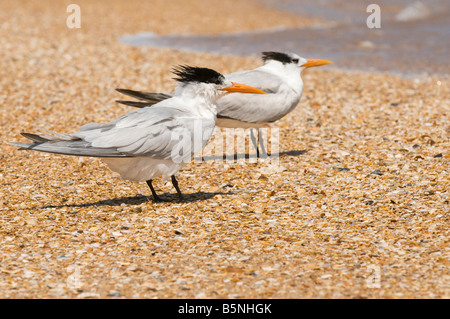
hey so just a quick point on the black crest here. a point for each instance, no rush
(186, 73)
(277, 56)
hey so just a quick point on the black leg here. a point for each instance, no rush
(255, 142)
(175, 184)
(261, 143)
(156, 198)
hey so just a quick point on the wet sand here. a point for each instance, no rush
(363, 185)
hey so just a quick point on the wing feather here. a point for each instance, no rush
(136, 103)
(258, 108)
(145, 96)
(268, 82)
(154, 132)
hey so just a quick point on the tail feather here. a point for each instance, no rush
(149, 98)
(144, 96)
(66, 147)
(137, 104)
(35, 138)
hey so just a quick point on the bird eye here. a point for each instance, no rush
(295, 60)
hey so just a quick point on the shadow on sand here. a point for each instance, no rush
(140, 199)
(237, 156)
(173, 198)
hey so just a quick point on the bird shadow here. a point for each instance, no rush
(240, 156)
(293, 153)
(140, 199)
(173, 198)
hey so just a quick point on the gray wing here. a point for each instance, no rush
(268, 82)
(153, 132)
(76, 148)
(258, 108)
(148, 98)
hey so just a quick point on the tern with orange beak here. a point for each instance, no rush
(279, 77)
(151, 142)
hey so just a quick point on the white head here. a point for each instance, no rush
(207, 83)
(291, 61)
(289, 66)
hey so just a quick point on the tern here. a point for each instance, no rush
(151, 142)
(279, 77)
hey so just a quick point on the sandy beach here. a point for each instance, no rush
(356, 207)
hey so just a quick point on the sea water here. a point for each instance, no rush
(414, 37)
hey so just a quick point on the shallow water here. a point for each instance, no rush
(413, 38)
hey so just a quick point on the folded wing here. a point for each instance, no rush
(154, 132)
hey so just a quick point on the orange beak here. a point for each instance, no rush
(315, 62)
(242, 88)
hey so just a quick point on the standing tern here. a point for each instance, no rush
(279, 77)
(151, 142)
